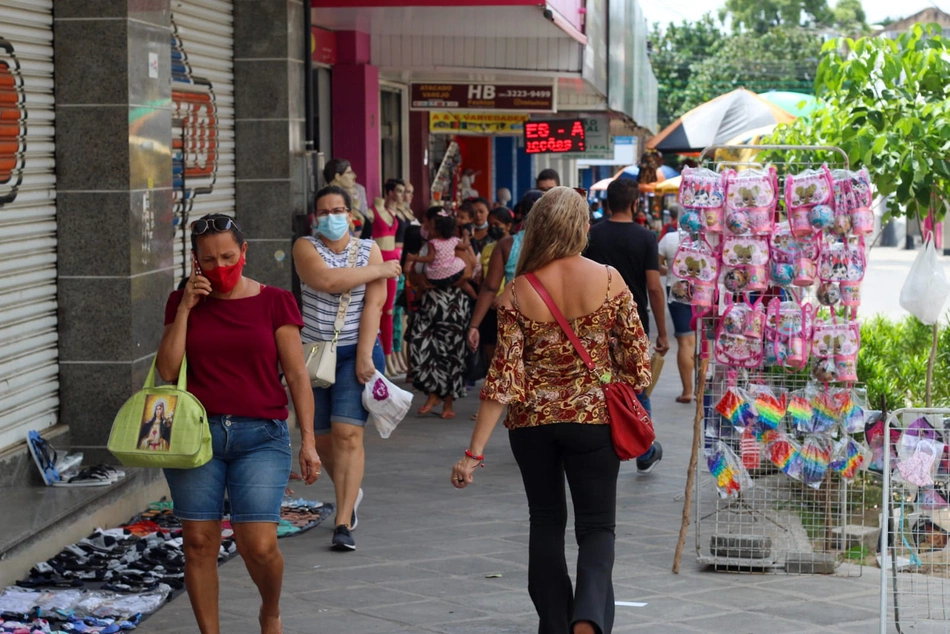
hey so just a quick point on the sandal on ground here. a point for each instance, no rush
(684, 399)
(425, 410)
(448, 415)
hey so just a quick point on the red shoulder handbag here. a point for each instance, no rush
(630, 426)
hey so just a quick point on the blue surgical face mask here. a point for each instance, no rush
(333, 226)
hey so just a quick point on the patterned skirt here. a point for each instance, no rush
(438, 343)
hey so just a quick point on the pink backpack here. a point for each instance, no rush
(702, 190)
(739, 335)
(809, 197)
(751, 200)
(745, 263)
(788, 331)
(697, 263)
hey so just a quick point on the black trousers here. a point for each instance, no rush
(586, 455)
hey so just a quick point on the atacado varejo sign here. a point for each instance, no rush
(482, 96)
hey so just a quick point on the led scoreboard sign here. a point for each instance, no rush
(554, 137)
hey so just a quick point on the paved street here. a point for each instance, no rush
(429, 556)
(887, 269)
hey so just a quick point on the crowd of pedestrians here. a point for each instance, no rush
(443, 299)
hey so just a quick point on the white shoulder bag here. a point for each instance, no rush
(321, 355)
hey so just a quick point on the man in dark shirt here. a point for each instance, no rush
(632, 250)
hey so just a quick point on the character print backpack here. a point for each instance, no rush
(697, 264)
(701, 194)
(809, 197)
(751, 200)
(739, 335)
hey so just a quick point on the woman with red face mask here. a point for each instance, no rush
(235, 332)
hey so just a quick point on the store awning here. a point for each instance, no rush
(434, 35)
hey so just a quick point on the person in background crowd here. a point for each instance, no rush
(236, 332)
(501, 221)
(595, 214)
(340, 173)
(681, 314)
(385, 230)
(605, 208)
(465, 219)
(480, 236)
(501, 269)
(673, 224)
(502, 197)
(547, 179)
(438, 337)
(323, 264)
(557, 417)
(406, 220)
(632, 250)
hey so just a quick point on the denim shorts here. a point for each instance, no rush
(251, 462)
(342, 402)
(682, 316)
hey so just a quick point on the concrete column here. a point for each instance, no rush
(269, 131)
(114, 191)
(355, 89)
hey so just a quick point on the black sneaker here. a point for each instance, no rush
(646, 466)
(342, 541)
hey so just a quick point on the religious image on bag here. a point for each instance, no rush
(158, 415)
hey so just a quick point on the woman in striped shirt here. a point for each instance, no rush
(336, 268)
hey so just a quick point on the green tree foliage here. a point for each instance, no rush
(760, 16)
(780, 59)
(849, 17)
(888, 109)
(675, 50)
(893, 362)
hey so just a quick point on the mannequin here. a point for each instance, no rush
(339, 172)
(383, 228)
(405, 218)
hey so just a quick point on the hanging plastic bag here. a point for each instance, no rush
(926, 289)
(386, 403)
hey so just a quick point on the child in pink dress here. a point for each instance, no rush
(444, 267)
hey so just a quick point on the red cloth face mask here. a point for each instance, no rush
(224, 278)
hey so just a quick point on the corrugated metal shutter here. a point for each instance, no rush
(203, 120)
(29, 371)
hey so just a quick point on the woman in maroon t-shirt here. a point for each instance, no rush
(236, 331)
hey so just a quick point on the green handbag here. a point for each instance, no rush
(164, 427)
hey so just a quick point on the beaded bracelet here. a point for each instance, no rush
(480, 459)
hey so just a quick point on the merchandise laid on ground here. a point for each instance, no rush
(113, 579)
(772, 266)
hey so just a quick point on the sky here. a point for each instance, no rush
(665, 11)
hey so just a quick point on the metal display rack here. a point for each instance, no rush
(779, 523)
(915, 571)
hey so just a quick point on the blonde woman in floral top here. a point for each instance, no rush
(557, 416)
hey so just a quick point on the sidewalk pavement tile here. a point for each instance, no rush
(425, 550)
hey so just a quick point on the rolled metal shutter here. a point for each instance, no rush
(29, 369)
(203, 116)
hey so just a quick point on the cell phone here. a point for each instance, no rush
(194, 263)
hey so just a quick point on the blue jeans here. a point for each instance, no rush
(251, 462)
(648, 406)
(342, 402)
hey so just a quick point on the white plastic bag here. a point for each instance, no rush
(926, 289)
(386, 403)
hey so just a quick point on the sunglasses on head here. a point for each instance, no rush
(214, 225)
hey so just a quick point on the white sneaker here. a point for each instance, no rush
(354, 520)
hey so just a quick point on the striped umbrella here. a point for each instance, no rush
(717, 121)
